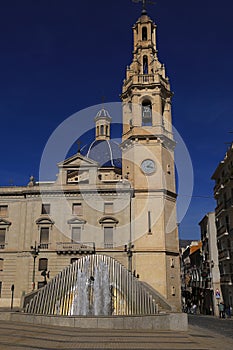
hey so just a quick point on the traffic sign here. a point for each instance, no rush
(217, 294)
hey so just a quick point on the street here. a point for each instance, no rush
(214, 324)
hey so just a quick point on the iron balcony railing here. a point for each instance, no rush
(44, 245)
(224, 254)
(226, 278)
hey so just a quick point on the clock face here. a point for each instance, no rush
(148, 166)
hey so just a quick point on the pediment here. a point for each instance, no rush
(76, 221)
(44, 221)
(77, 161)
(108, 220)
(4, 222)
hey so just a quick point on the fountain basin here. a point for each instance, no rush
(158, 322)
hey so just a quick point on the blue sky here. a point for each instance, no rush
(53, 52)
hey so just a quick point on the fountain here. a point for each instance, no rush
(97, 291)
(92, 286)
(92, 295)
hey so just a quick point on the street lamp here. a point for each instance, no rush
(129, 251)
(35, 250)
(129, 247)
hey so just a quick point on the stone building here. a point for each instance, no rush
(210, 265)
(223, 193)
(190, 258)
(200, 278)
(114, 200)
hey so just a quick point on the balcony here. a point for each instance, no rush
(109, 245)
(75, 248)
(227, 278)
(146, 78)
(220, 208)
(222, 231)
(44, 245)
(224, 255)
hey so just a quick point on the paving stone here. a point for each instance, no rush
(23, 336)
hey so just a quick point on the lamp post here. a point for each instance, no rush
(128, 250)
(130, 246)
(35, 250)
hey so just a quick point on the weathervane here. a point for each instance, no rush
(144, 2)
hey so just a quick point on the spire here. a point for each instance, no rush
(144, 2)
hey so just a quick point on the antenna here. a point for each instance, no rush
(144, 3)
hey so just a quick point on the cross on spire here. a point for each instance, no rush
(79, 146)
(103, 101)
(144, 2)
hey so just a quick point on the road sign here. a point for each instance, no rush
(217, 294)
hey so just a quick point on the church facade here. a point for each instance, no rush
(117, 200)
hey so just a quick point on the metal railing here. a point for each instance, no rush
(44, 245)
(78, 247)
(224, 254)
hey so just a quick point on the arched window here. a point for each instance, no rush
(145, 65)
(144, 33)
(146, 113)
(101, 130)
(97, 131)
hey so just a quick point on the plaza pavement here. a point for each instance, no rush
(22, 336)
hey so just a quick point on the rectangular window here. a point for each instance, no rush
(0, 289)
(76, 234)
(108, 237)
(43, 264)
(45, 209)
(77, 209)
(1, 264)
(3, 210)
(108, 208)
(2, 238)
(149, 222)
(44, 237)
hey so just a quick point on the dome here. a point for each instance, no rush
(105, 152)
(103, 113)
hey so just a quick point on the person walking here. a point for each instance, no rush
(228, 311)
(221, 310)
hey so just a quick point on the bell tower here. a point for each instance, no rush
(148, 163)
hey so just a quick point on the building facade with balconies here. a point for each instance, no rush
(223, 193)
(210, 265)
